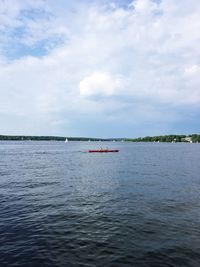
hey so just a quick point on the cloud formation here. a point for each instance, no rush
(101, 84)
(63, 64)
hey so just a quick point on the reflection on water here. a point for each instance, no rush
(61, 206)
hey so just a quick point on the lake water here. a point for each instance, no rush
(61, 206)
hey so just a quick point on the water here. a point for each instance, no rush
(60, 206)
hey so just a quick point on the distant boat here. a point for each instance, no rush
(66, 140)
(103, 150)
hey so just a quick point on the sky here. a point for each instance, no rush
(99, 68)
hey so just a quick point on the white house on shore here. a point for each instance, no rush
(187, 139)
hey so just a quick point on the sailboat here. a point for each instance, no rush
(66, 140)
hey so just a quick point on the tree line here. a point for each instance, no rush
(162, 138)
(167, 138)
(46, 138)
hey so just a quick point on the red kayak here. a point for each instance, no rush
(103, 150)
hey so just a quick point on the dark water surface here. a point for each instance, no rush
(60, 206)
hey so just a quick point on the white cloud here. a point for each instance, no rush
(146, 53)
(101, 83)
(192, 70)
(144, 6)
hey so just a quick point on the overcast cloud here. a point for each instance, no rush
(99, 68)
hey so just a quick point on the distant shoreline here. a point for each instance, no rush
(194, 138)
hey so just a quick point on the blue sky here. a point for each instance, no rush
(99, 68)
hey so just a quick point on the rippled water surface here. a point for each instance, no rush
(61, 206)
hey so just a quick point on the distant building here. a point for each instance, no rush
(187, 139)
